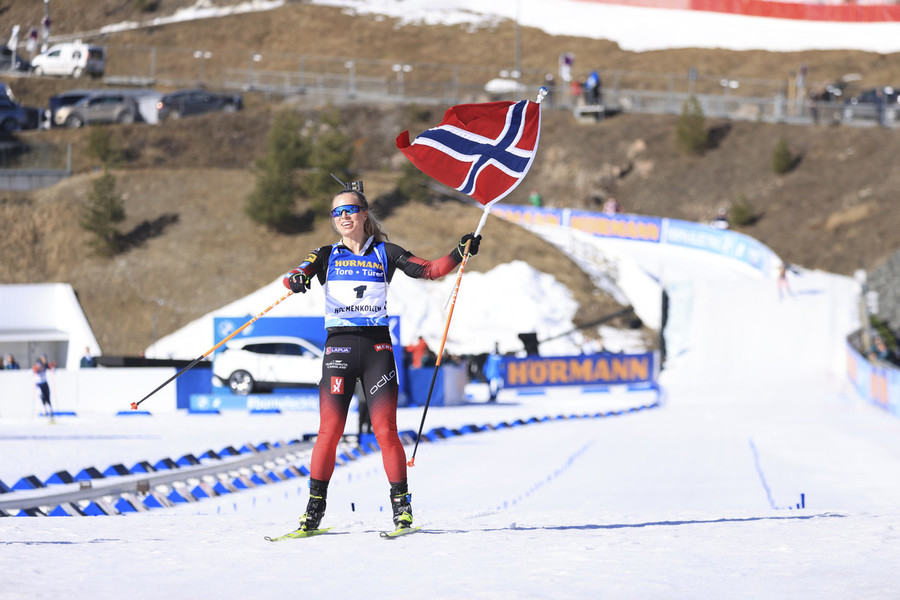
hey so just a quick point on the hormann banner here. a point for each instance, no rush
(586, 369)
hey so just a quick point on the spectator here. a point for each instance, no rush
(592, 92)
(535, 199)
(721, 220)
(611, 206)
(88, 361)
(493, 372)
(10, 363)
(417, 353)
(879, 350)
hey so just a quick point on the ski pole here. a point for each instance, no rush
(440, 355)
(134, 405)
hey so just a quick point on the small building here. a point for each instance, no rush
(44, 318)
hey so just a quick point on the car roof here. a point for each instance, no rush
(269, 339)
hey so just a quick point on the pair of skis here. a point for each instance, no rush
(300, 533)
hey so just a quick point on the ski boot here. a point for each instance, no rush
(315, 508)
(400, 502)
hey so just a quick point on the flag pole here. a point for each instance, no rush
(542, 92)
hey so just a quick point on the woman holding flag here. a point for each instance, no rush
(355, 273)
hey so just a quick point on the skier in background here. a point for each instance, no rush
(40, 368)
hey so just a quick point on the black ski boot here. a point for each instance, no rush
(401, 503)
(315, 508)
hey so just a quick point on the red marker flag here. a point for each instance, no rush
(482, 150)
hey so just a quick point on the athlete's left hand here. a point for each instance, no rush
(474, 242)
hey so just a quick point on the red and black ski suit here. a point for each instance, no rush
(359, 344)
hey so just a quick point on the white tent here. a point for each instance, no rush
(44, 318)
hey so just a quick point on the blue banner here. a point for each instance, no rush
(729, 244)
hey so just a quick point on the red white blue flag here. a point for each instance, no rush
(482, 150)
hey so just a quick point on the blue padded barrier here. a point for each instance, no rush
(129, 413)
(199, 493)
(29, 482)
(124, 506)
(258, 480)
(152, 501)
(290, 473)
(228, 451)
(88, 474)
(142, 467)
(30, 512)
(204, 411)
(188, 460)
(176, 497)
(59, 478)
(59, 511)
(209, 455)
(116, 471)
(165, 464)
(4, 489)
(223, 487)
(245, 449)
(93, 509)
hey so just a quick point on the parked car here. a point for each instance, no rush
(99, 107)
(71, 58)
(62, 100)
(194, 102)
(868, 105)
(11, 61)
(260, 363)
(13, 116)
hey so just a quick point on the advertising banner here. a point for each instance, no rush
(586, 369)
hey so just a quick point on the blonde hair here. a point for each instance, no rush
(372, 226)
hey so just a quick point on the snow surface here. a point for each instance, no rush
(636, 29)
(695, 499)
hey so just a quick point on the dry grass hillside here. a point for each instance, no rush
(185, 183)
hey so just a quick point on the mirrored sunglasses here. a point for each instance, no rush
(350, 209)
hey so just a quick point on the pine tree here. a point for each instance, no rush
(101, 211)
(332, 152)
(274, 197)
(691, 134)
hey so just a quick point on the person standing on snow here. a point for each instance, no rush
(355, 273)
(40, 368)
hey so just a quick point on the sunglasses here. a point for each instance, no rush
(350, 209)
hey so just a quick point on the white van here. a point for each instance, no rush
(72, 58)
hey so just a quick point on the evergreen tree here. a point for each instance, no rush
(332, 152)
(273, 199)
(691, 134)
(101, 212)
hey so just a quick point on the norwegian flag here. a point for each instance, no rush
(482, 150)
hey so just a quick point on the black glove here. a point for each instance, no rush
(299, 283)
(473, 245)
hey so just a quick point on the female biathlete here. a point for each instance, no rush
(355, 273)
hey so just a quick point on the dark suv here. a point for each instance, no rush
(194, 102)
(880, 103)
